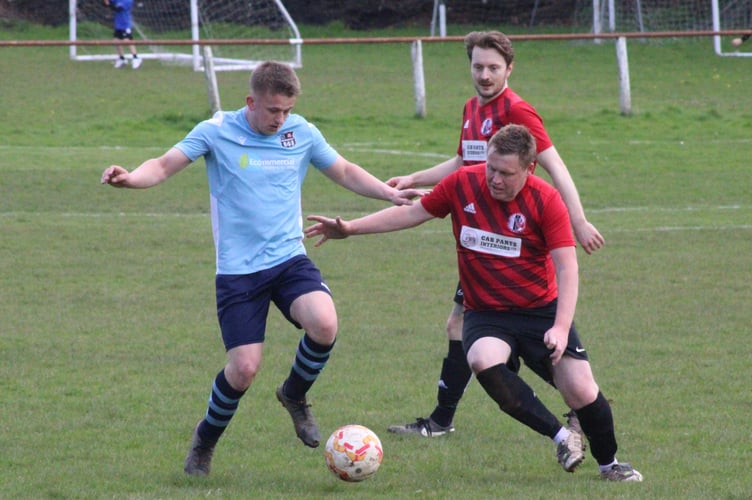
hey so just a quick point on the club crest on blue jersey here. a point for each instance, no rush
(287, 139)
(516, 223)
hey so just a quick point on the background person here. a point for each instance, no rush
(123, 30)
(736, 42)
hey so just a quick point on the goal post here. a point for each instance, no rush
(196, 20)
(647, 16)
(731, 15)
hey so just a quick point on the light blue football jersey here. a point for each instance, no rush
(255, 186)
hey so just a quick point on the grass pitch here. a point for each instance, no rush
(109, 342)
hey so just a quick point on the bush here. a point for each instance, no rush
(355, 14)
(38, 11)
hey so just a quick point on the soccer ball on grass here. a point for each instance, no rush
(353, 453)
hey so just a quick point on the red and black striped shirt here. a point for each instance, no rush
(503, 248)
(479, 123)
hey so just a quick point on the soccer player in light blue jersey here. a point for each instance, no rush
(256, 160)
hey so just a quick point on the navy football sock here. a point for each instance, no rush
(310, 359)
(223, 403)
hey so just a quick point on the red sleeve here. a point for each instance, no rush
(439, 201)
(522, 113)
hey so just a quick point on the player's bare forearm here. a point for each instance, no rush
(567, 280)
(433, 175)
(384, 221)
(586, 233)
(552, 163)
(147, 175)
(427, 177)
(358, 180)
(370, 186)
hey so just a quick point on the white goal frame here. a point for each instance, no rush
(195, 58)
(717, 45)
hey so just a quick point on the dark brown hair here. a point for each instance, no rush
(490, 40)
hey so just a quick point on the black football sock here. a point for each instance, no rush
(310, 359)
(455, 375)
(517, 399)
(223, 403)
(597, 423)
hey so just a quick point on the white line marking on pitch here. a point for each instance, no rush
(177, 215)
(397, 152)
(358, 214)
(666, 209)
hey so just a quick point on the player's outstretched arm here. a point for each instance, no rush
(383, 221)
(358, 180)
(586, 233)
(149, 173)
(327, 228)
(427, 177)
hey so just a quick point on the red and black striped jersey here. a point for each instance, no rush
(503, 248)
(480, 122)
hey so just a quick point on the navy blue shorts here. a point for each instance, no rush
(523, 331)
(243, 299)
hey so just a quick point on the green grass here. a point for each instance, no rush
(109, 341)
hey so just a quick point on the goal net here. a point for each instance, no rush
(156, 20)
(648, 16)
(732, 15)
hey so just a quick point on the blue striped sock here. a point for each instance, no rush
(223, 403)
(310, 359)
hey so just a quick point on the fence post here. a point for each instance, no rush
(212, 89)
(625, 97)
(419, 84)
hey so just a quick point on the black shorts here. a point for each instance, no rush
(123, 34)
(459, 297)
(523, 331)
(243, 299)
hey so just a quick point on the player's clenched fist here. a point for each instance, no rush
(115, 176)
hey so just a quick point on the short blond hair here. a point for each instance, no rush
(275, 78)
(514, 140)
